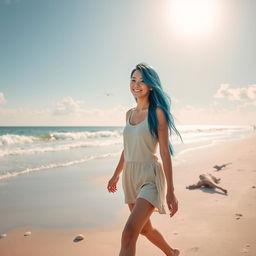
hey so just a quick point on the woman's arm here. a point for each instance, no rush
(113, 181)
(164, 148)
(165, 154)
(120, 166)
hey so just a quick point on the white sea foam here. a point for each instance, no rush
(85, 135)
(195, 129)
(55, 165)
(56, 148)
(10, 139)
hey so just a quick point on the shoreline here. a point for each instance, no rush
(215, 142)
(206, 223)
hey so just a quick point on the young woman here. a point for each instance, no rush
(143, 179)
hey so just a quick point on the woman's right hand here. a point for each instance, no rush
(112, 184)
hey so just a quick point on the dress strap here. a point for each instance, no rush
(130, 114)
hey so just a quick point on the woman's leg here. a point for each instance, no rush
(154, 236)
(137, 219)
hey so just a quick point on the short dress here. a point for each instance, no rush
(143, 175)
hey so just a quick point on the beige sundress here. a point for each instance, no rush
(143, 175)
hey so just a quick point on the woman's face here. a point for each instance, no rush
(137, 86)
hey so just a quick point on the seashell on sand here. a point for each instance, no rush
(78, 238)
(3, 236)
(28, 233)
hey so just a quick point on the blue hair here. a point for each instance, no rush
(157, 98)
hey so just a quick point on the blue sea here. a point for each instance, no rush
(56, 177)
(32, 149)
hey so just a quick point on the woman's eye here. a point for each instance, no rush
(134, 81)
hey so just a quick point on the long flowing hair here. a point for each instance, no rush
(157, 98)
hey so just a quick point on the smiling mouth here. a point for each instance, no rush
(137, 90)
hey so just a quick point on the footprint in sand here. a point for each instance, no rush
(244, 250)
(193, 249)
(238, 215)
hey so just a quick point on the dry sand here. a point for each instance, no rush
(207, 223)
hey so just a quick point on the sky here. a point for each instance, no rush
(68, 62)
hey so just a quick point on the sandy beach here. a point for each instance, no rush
(208, 222)
(83, 80)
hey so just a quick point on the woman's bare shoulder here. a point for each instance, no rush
(160, 114)
(161, 117)
(128, 113)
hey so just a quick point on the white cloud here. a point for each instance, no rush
(215, 114)
(81, 116)
(67, 112)
(2, 98)
(247, 105)
(67, 106)
(237, 94)
(110, 116)
(245, 111)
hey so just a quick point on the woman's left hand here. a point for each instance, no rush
(172, 203)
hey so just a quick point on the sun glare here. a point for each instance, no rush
(193, 17)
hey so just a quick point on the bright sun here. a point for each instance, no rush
(193, 17)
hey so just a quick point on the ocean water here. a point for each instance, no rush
(24, 150)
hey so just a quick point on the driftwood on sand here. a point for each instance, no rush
(209, 181)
